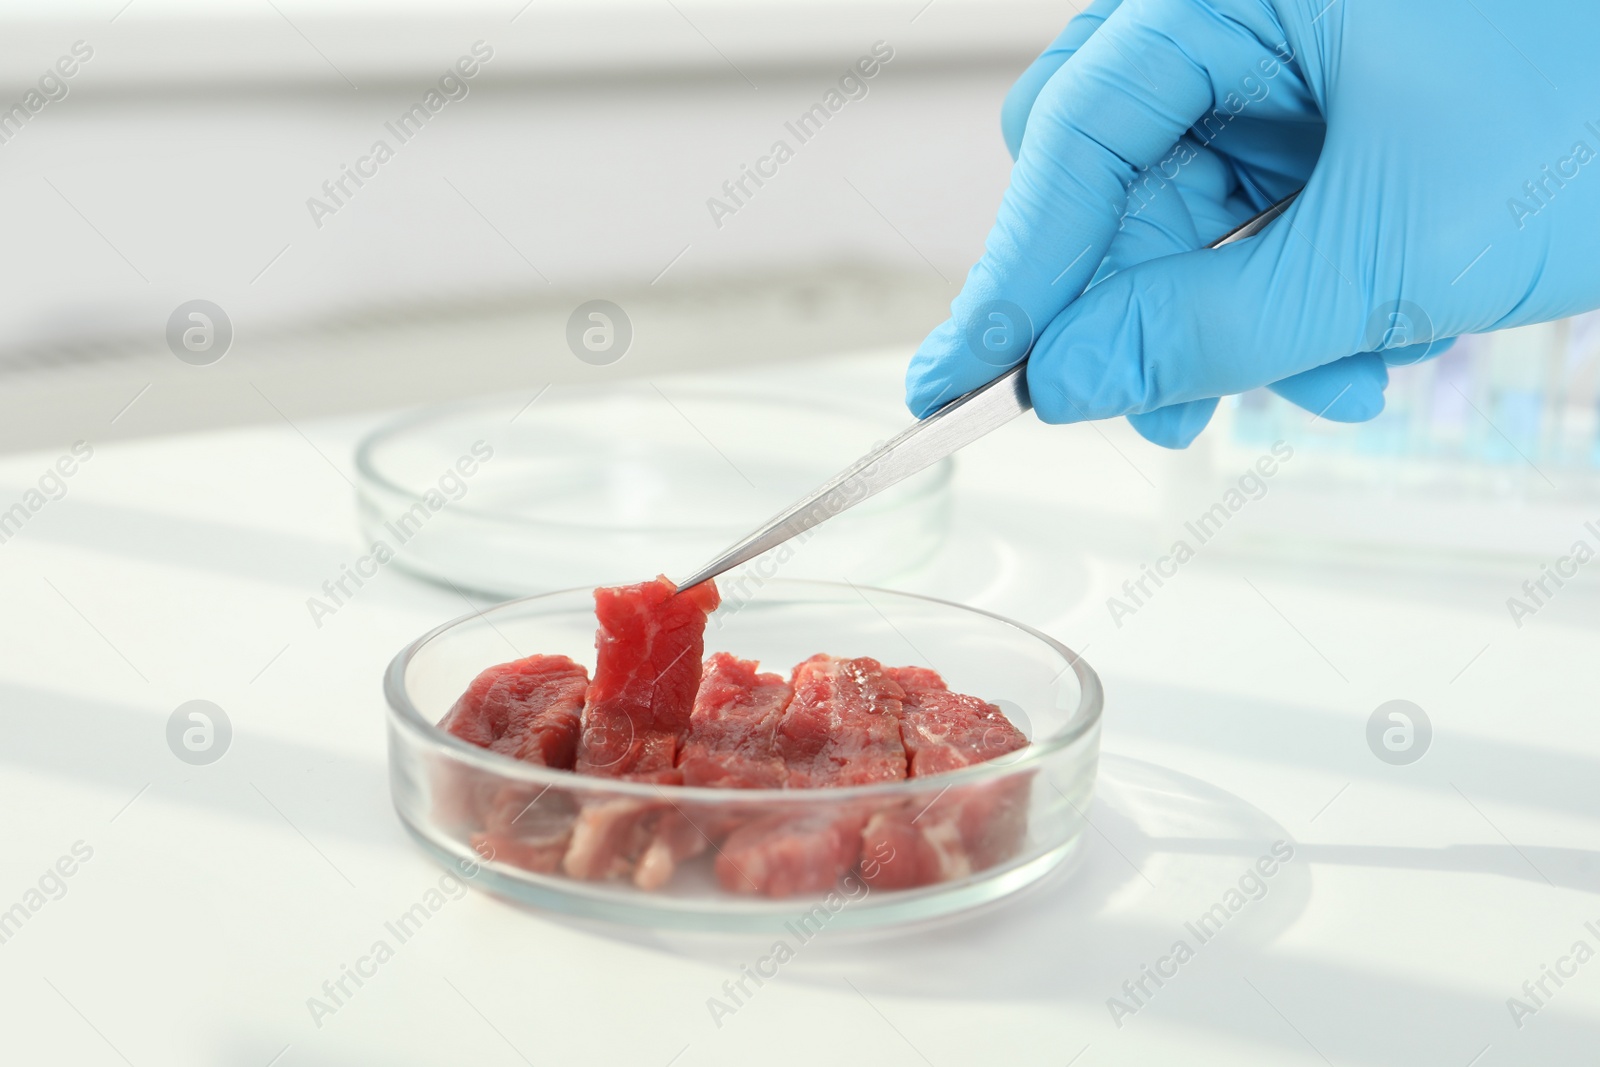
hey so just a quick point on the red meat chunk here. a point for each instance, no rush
(528, 709)
(674, 838)
(647, 670)
(945, 731)
(949, 834)
(633, 837)
(842, 726)
(782, 855)
(895, 854)
(608, 838)
(733, 729)
(527, 827)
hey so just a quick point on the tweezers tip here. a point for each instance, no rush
(703, 575)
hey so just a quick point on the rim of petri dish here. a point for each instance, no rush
(1082, 720)
(369, 474)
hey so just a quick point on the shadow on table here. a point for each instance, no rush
(192, 543)
(121, 749)
(1285, 734)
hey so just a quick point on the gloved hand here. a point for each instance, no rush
(1447, 150)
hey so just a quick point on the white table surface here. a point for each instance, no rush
(219, 898)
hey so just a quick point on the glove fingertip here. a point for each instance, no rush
(1358, 405)
(928, 372)
(1346, 390)
(1360, 400)
(921, 396)
(1176, 426)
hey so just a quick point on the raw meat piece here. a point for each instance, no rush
(972, 827)
(675, 839)
(632, 837)
(895, 854)
(528, 827)
(945, 731)
(842, 726)
(532, 856)
(528, 709)
(647, 670)
(992, 819)
(609, 836)
(732, 731)
(782, 855)
(646, 675)
(892, 850)
(953, 833)
(967, 829)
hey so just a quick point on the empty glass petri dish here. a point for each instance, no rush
(585, 485)
(513, 828)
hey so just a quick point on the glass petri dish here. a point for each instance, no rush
(500, 823)
(585, 484)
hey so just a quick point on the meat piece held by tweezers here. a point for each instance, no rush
(648, 647)
(647, 671)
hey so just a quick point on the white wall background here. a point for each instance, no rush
(579, 165)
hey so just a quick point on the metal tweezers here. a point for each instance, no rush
(955, 425)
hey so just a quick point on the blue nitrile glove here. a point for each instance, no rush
(1445, 146)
